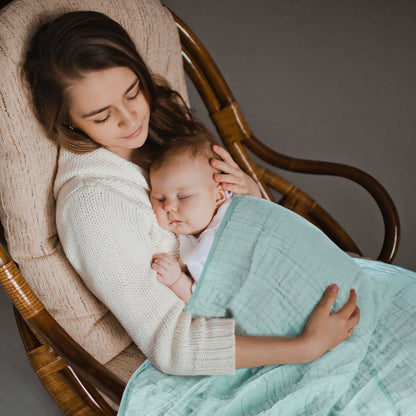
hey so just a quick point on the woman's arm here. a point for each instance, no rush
(109, 236)
(232, 178)
(109, 246)
(323, 331)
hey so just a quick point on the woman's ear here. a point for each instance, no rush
(221, 196)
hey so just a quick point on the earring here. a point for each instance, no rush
(71, 127)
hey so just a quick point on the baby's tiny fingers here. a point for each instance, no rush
(165, 256)
(160, 265)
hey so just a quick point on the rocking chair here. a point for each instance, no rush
(61, 323)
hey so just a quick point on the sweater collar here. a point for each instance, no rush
(100, 163)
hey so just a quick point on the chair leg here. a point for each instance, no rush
(73, 395)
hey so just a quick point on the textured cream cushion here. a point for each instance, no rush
(28, 163)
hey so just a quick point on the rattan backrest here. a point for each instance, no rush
(28, 162)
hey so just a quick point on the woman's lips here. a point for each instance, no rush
(134, 134)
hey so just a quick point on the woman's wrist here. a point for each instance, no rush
(259, 351)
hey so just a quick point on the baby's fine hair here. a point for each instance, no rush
(195, 146)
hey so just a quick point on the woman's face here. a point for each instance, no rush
(109, 106)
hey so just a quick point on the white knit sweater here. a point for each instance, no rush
(109, 233)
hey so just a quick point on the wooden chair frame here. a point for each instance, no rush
(73, 378)
(236, 135)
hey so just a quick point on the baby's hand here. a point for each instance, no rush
(167, 268)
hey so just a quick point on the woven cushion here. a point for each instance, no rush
(28, 162)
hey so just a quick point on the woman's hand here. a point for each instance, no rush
(232, 178)
(324, 330)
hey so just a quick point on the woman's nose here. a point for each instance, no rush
(127, 117)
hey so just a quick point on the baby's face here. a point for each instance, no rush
(184, 195)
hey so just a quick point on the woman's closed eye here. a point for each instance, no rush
(136, 94)
(130, 98)
(103, 120)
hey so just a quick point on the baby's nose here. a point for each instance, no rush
(170, 206)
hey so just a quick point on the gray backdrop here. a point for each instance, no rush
(329, 79)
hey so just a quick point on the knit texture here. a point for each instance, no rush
(109, 233)
(28, 162)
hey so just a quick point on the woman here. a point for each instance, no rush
(95, 97)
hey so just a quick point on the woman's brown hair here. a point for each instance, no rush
(65, 49)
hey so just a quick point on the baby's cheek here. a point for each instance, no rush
(161, 217)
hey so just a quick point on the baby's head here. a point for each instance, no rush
(184, 195)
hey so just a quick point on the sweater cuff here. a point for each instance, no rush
(217, 356)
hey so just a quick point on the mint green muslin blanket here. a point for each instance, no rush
(267, 269)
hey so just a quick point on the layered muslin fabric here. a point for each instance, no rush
(267, 269)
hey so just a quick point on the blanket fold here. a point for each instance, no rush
(267, 269)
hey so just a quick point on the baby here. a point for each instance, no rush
(189, 202)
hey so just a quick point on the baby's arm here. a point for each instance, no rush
(170, 274)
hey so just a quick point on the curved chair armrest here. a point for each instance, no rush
(235, 132)
(38, 318)
(370, 184)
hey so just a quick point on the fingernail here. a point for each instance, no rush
(333, 287)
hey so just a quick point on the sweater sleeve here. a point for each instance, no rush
(107, 238)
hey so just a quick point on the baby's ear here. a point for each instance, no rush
(221, 196)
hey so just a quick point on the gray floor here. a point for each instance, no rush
(21, 391)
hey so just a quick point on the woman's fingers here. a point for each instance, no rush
(224, 155)
(355, 317)
(329, 297)
(349, 312)
(350, 307)
(231, 177)
(231, 183)
(228, 177)
(225, 167)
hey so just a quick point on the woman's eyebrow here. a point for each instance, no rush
(94, 112)
(131, 86)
